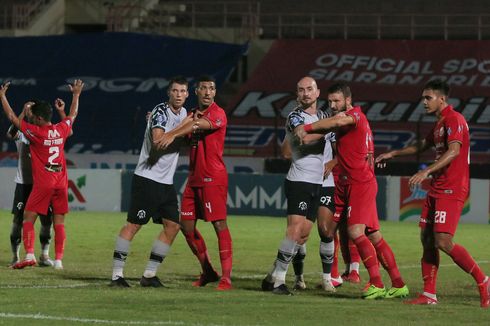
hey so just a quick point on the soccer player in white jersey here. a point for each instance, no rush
(153, 194)
(302, 184)
(326, 210)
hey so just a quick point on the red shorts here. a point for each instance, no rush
(206, 203)
(357, 203)
(41, 197)
(442, 213)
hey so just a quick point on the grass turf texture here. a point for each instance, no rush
(80, 293)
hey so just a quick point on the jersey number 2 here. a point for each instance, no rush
(55, 152)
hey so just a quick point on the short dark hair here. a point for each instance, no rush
(205, 78)
(177, 80)
(42, 109)
(340, 88)
(438, 85)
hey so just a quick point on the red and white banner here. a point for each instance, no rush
(386, 78)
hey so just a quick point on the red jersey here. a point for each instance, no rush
(453, 180)
(206, 166)
(354, 142)
(47, 145)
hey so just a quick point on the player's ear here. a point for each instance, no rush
(348, 100)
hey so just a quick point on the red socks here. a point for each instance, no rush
(464, 260)
(430, 265)
(335, 264)
(354, 253)
(59, 240)
(198, 247)
(368, 255)
(387, 259)
(29, 235)
(225, 252)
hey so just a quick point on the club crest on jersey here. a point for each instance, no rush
(449, 131)
(303, 206)
(141, 214)
(20, 205)
(218, 122)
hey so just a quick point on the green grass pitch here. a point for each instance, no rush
(80, 294)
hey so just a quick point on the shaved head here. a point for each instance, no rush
(307, 92)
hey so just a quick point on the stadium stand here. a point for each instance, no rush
(261, 24)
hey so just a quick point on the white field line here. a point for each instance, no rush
(87, 320)
(64, 286)
(260, 276)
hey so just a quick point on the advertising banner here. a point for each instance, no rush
(88, 190)
(405, 203)
(125, 75)
(386, 79)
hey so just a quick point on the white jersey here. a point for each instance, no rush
(328, 156)
(163, 169)
(24, 167)
(307, 159)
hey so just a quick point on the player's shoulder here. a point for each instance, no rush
(297, 112)
(217, 109)
(160, 108)
(455, 115)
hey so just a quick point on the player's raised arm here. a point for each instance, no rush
(76, 90)
(59, 104)
(6, 106)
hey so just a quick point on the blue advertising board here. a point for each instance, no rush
(125, 76)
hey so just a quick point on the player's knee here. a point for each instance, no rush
(220, 225)
(130, 229)
(172, 227)
(444, 245)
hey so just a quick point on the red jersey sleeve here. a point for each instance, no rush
(217, 118)
(455, 129)
(355, 115)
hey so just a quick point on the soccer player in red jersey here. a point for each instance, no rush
(448, 191)
(50, 181)
(207, 185)
(356, 188)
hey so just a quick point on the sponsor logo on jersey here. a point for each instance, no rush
(187, 213)
(53, 134)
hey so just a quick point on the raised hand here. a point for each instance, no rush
(77, 87)
(59, 104)
(4, 88)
